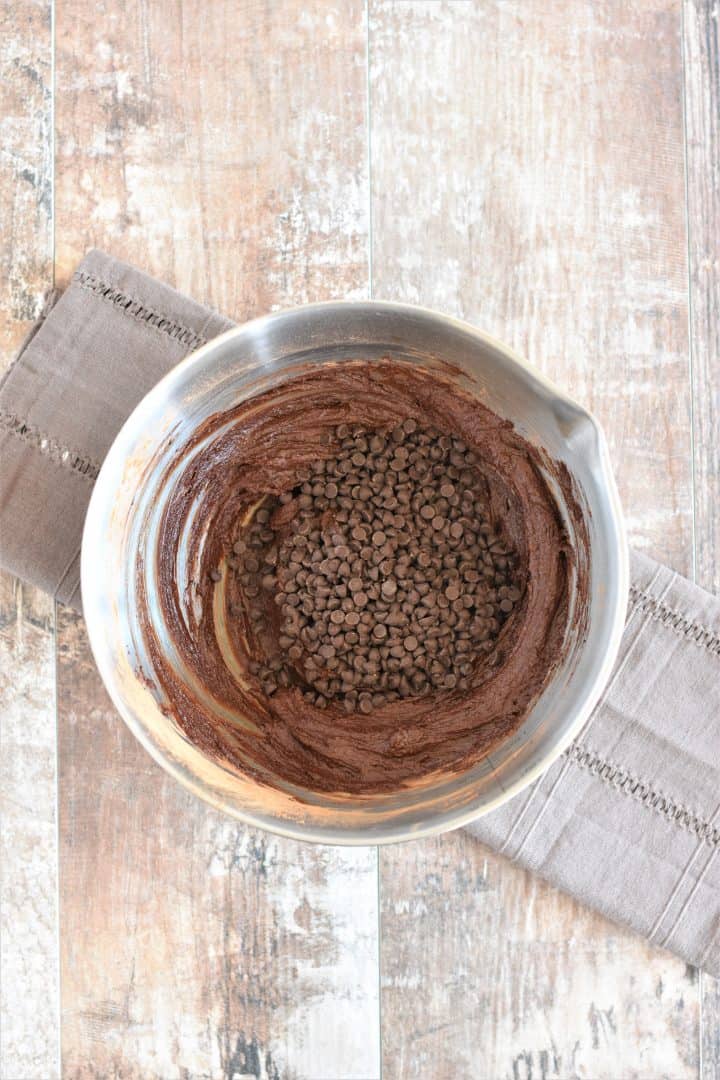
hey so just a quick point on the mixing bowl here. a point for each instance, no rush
(156, 444)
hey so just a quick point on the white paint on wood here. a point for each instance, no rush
(202, 948)
(221, 148)
(489, 972)
(528, 175)
(29, 1034)
(701, 48)
(29, 1025)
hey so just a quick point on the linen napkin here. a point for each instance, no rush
(94, 353)
(627, 820)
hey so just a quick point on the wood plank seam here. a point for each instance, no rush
(528, 177)
(701, 112)
(368, 144)
(205, 948)
(691, 373)
(28, 900)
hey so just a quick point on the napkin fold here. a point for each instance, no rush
(94, 353)
(627, 820)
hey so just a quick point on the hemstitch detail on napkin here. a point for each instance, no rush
(627, 784)
(138, 311)
(676, 620)
(49, 447)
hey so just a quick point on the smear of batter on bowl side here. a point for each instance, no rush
(384, 586)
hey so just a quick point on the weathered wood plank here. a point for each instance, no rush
(702, 113)
(527, 174)
(192, 947)
(488, 972)
(223, 149)
(28, 835)
(28, 844)
(710, 1036)
(701, 41)
(25, 168)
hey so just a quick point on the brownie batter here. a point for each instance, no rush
(382, 577)
(220, 689)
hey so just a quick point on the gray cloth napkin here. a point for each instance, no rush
(627, 820)
(94, 353)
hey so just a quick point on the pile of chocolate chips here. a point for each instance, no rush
(381, 576)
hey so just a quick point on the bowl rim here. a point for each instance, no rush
(352, 835)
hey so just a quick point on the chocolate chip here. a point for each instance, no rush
(385, 569)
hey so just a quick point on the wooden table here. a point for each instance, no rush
(547, 170)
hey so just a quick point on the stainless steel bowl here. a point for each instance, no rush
(133, 486)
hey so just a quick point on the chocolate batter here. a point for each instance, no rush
(266, 446)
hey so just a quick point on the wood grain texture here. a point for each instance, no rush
(28, 840)
(527, 174)
(192, 947)
(490, 974)
(702, 117)
(222, 148)
(710, 1044)
(28, 837)
(701, 40)
(26, 169)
